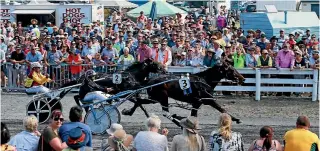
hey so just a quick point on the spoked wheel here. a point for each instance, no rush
(39, 108)
(55, 105)
(114, 113)
(98, 120)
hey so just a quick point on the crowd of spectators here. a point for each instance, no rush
(76, 136)
(172, 41)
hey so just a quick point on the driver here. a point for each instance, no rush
(90, 91)
(36, 80)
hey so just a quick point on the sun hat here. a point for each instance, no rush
(210, 50)
(183, 53)
(36, 65)
(113, 128)
(76, 138)
(298, 52)
(191, 124)
(120, 134)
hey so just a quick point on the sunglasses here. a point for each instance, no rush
(57, 119)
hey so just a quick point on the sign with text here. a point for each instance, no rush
(75, 14)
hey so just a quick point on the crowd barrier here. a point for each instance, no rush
(258, 82)
(262, 81)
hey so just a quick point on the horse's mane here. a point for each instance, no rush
(134, 66)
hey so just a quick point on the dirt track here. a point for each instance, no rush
(280, 113)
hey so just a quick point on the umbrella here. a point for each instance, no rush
(153, 11)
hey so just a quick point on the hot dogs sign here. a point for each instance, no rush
(75, 15)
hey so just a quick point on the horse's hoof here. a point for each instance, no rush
(126, 112)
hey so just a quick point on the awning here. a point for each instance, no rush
(33, 11)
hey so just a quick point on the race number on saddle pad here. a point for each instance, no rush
(116, 78)
(184, 83)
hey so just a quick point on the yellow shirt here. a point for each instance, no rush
(300, 140)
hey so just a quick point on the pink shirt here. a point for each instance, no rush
(285, 59)
(145, 53)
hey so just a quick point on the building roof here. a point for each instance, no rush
(294, 19)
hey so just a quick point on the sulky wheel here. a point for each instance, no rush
(39, 108)
(113, 113)
(98, 120)
(55, 105)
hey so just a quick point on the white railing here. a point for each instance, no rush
(311, 85)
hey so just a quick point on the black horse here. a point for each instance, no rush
(133, 77)
(202, 87)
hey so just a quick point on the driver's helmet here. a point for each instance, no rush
(90, 74)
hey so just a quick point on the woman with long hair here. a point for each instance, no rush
(265, 143)
(189, 140)
(223, 139)
(49, 139)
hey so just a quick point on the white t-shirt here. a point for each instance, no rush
(150, 141)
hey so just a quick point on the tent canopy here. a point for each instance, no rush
(117, 3)
(163, 9)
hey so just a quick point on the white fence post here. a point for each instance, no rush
(315, 85)
(318, 84)
(258, 84)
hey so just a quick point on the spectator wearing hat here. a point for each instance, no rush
(109, 53)
(313, 40)
(73, 34)
(89, 49)
(315, 60)
(210, 59)
(303, 41)
(285, 59)
(240, 36)
(299, 64)
(163, 55)
(297, 37)
(76, 139)
(49, 139)
(308, 35)
(301, 138)
(282, 37)
(126, 59)
(150, 139)
(264, 61)
(29, 138)
(181, 60)
(17, 68)
(5, 138)
(119, 141)
(189, 140)
(291, 40)
(224, 138)
(262, 42)
(75, 117)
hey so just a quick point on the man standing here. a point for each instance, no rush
(285, 59)
(315, 60)
(17, 58)
(163, 55)
(144, 52)
(300, 138)
(75, 116)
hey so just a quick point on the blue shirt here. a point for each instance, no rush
(66, 127)
(88, 51)
(34, 58)
(50, 30)
(25, 141)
